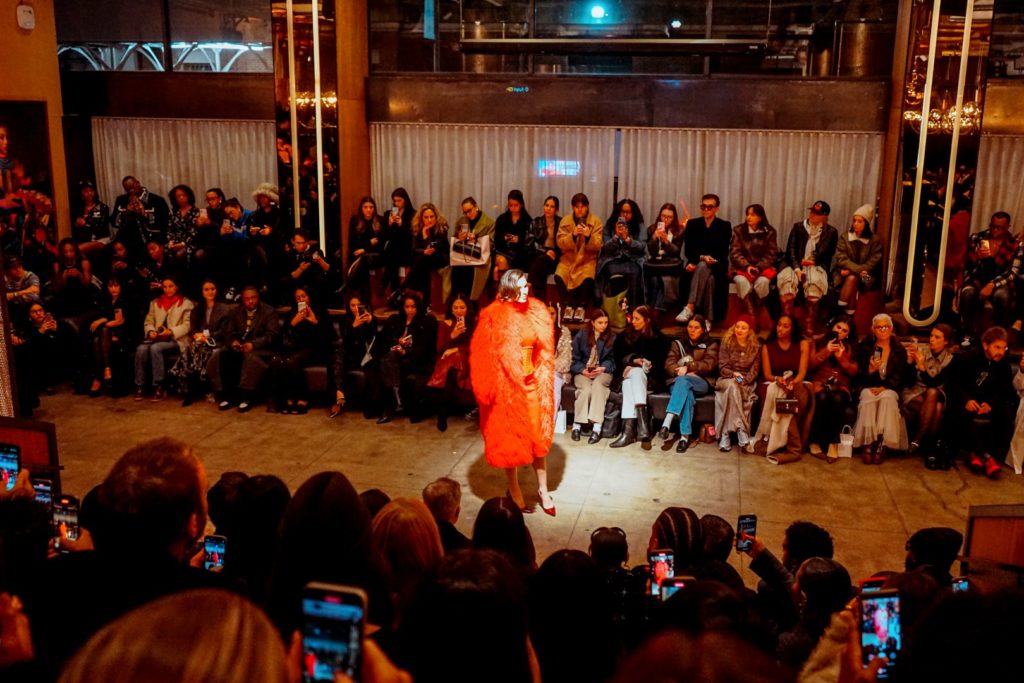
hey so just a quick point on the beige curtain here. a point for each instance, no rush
(999, 185)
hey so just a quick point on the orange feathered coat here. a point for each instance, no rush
(496, 369)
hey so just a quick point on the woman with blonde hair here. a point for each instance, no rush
(429, 251)
(200, 635)
(405, 545)
(739, 363)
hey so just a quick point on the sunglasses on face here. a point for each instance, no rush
(707, 207)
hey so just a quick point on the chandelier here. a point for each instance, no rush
(941, 120)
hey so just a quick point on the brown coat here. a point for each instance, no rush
(704, 363)
(579, 255)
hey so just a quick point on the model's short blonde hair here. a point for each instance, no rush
(201, 635)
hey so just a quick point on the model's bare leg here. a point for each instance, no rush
(514, 491)
(539, 466)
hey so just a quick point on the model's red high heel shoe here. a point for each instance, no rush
(549, 511)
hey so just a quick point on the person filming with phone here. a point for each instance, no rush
(832, 369)
(883, 364)
(987, 276)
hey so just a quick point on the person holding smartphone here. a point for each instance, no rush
(451, 370)
(303, 343)
(366, 242)
(109, 332)
(351, 358)
(784, 359)
(930, 367)
(640, 352)
(208, 326)
(405, 350)
(883, 365)
(430, 249)
(580, 238)
(857, 264)
(471, 227)
(664, 248)
(988, 276)
(622, 254)
(513, 238)
(831, 371)
(544, 238)
(164, 330)
(752, 257)
(739, 363)
(593, 368)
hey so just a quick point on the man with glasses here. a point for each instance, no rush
(984, 401)
(989, 275)
(706, 249)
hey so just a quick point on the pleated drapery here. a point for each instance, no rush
(1000, 181)
(444, 164)
(235, 156)
(783, 171)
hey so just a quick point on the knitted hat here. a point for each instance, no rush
(867, 212)
(268, 189)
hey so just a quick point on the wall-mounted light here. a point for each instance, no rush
(598, 12)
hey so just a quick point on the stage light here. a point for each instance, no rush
(597, 12)
(676, 24)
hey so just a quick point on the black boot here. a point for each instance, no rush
(398, 400)
(628, 435)
(644, 430)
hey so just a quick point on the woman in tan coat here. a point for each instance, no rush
(580, 238)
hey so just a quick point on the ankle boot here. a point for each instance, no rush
(644, 430)
(628, 435)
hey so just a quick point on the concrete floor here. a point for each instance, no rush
(870, 511)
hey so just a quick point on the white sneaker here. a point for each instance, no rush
(742, 438)
(684, 315)
(725, 443)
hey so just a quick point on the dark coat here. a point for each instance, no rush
(219, 323)
(653, 348)
(266, 326)
(895, 369)
(419, 358)
(581, 353)
(823, 252)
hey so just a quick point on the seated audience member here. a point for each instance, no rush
(164, 331)
(572, 624)
(303, 343)
(984, 402)
(513, 238)
(580, 238)
(49, 346)
(710, 658)
(39, 254)
(74, 295)
(208, 330)
(739, 365)
(91, 225)
(807, 262)
(110, 333)
(22, 286)
(429, 252)
(822, 587)
(153, 502)
(664, 251)
(857, 265)
(929, 366)
(832, 369)
(398, 253)
(356, 331)
(305, 265)
(374, 500)
(883, 366)
(138, 213)
(266, 228)
(443, 497)
(544, 241)
(155, 267)
(405, 546)
(690, 363)
(988, 276)
(706, 243)
(405, 351)
(468, 623)
(752, 256)
(719, 538)
(451, 369)
(593, 367)
(640, 353)
(469, 228)
(500, 526)
(366, 242)
(609, 548)
(622, 253)
(933, 551)
(258, 508)
(223, 639)
(324, 506)
(784, 359)
(802, 541)
(181, 224)
(208, 226)
(237, 369)
(125, 267)
(221, 500)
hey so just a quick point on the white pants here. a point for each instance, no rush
(634, 391)
(880, 415)
(760, 286)
(815, 282)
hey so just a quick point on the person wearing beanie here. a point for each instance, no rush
(513, 239)
(857, 265)
(808, 258)
(739, 363)
(988, 276)
(266, 231)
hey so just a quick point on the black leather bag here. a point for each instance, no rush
(470, 249)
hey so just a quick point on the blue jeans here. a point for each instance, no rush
(684, 395)
(152, 355)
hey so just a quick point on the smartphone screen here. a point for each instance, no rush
(332, 631)
(213, 552)
(44, 492)
(960, 584)
(747, 525)
(65, 517)
(880, 632)
(10, 457)
(671, 586)
(662, 563)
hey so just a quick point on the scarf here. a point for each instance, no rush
(168, 302)
(813, 234)
(934, 364)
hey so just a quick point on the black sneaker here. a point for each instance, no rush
(664, 434)
(575, 436)
(684, 443)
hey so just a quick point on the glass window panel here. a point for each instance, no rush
(110, 35)
(1007, 48)
(221, 36)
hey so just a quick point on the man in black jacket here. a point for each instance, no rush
(706, 248)
(237, 369)
(983, 402)
(443, 498)
(807, 261)
(140, 214)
